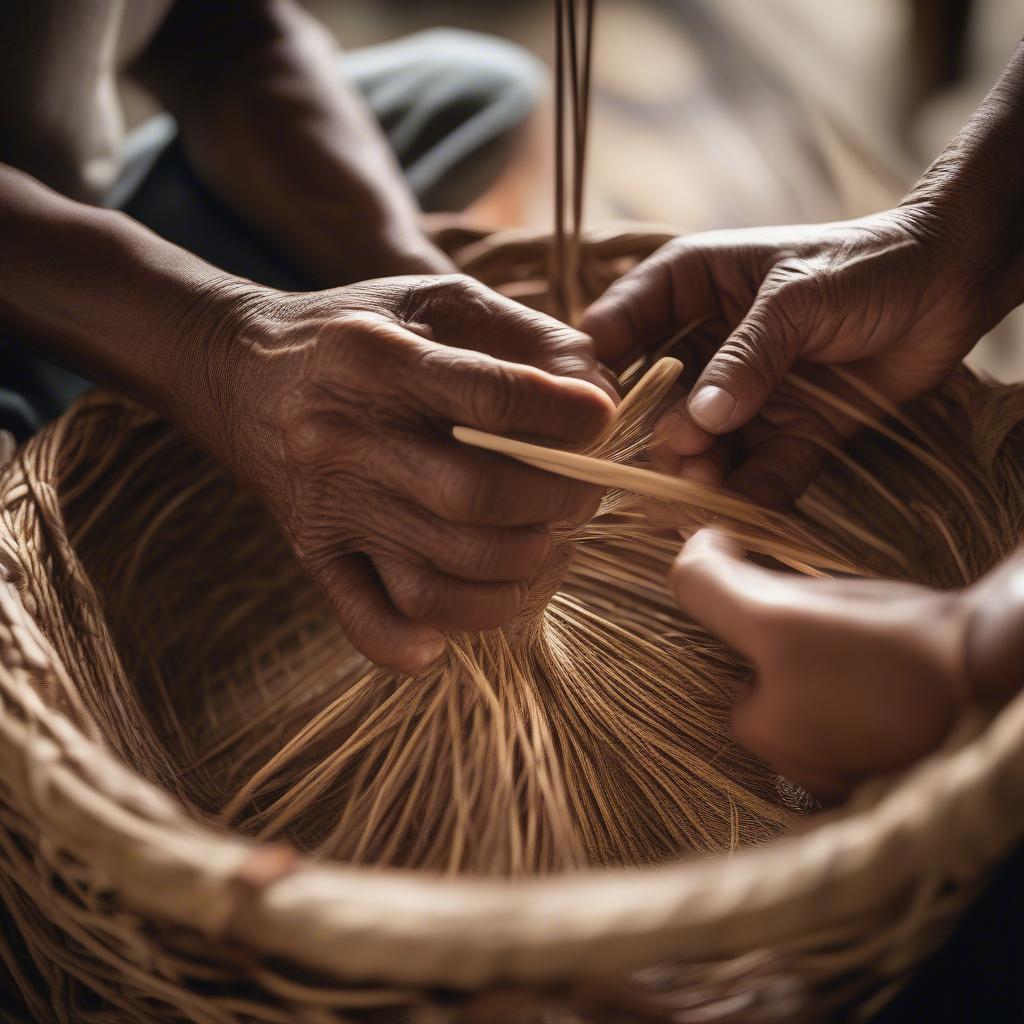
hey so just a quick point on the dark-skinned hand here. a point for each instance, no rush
(886, 298)
(337, 408)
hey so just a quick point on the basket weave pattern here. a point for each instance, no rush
(126, 901)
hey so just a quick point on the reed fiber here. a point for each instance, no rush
(171, 683)
(188, 647)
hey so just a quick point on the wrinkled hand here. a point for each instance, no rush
(337, 406)
(893, 298)
(851, 677)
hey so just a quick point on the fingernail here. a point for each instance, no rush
(711, 407)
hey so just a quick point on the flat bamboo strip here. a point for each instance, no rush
(605, 473)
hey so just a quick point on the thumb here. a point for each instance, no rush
(714, 584)
(747, 367)
(669, 290)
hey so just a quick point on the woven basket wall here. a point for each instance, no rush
(125, 901)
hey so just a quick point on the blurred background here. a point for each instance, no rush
(727, 113)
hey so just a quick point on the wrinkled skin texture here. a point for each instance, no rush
(851, 678)
(887, 298)
(337, 408)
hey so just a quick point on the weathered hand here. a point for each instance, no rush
(894, 298)
(337, 406)
(851, 677)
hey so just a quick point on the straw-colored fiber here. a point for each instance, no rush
(211, 809)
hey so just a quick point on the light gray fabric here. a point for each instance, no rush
(450, 103)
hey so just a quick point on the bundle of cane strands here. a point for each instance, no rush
(213, 809)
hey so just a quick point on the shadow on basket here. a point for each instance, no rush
(215, 810)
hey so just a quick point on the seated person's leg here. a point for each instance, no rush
(450, 102)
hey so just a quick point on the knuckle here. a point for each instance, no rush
(308, 436)
(533, 555)
(578, 344)
(755, 348)
(497, 395)
(456, 291)
(507, 602)
(348, 337)
(794, 286)
(361, 626)
(446, 283)
(519, 594)
(692, 565)
(684, 257)
(417, 594)
(341, 329)
(503, 557)
(517, 557)
(680, 247)
(801, 289)
(753, 338)
(568, 352)
(461, 284)
(541, 498)
(474, 556)
(463, 495)
(500, 555)
(792, 272)
(428, 295)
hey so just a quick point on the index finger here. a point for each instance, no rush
(667, 290)
(477, 390)
(467, 314)
(717, 587)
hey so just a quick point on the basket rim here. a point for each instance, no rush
(408, 927)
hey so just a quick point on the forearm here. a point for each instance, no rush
(977, 186)
(94, 289)
(285, 142)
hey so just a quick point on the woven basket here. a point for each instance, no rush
(125, 902)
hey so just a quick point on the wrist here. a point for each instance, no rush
(212, 362)
(371, 247)
(994, 635)
(970, 201)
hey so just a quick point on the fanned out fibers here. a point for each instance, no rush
(588, 732)
(592, 731)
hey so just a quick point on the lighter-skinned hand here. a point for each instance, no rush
(851, 677)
